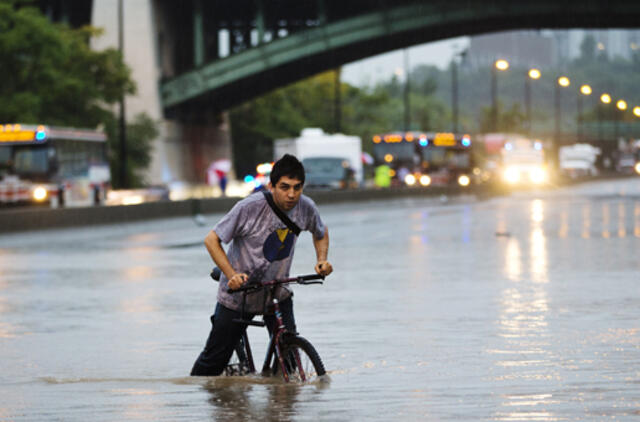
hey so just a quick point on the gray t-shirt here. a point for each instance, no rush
(262, 245)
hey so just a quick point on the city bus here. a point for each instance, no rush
(53, 165)
(425, 158)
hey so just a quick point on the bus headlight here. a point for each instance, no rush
(537, 175)
(637, 167)
(512, 175)
(410, 179)
(39, 194)
(464, 180)
(425, 180)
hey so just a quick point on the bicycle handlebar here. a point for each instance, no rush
(302, 279)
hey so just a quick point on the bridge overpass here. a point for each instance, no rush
(194, 59)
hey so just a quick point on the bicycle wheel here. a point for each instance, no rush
(301, 361)
(239, 363)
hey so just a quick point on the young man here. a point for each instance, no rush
(261, 249)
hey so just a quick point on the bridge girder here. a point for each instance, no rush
(224, 83)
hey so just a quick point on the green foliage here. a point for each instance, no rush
(512, 120)
(139, 135)
(51, 75)
(283, 113)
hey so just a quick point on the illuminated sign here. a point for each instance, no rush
(18, 136)
(444, 140)
(392, 139)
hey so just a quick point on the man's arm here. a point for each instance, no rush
(219, 256)
(323, 267)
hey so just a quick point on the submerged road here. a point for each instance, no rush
(524, 307)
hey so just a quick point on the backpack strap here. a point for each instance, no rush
(281, 215)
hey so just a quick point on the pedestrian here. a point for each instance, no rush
(262, 245)
(383, 176)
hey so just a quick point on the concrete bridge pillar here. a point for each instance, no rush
(185, 147)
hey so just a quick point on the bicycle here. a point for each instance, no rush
(292, 356)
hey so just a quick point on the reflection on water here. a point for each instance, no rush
(586, 221)
(235, 399)
(511, 309)
(523, 324)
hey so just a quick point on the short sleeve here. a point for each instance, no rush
(314, 223)
(232, 223)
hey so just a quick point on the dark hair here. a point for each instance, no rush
(288, 166)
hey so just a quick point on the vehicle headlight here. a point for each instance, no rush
(464, 180)
(637, 167)
(39, 193)
(425, 180)
(512, 175)
(537, 175)
(410, 179)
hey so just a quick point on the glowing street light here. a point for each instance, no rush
(605, 98)
(534, 74)
(622, 105)
(585, 90)
(502, 64)
(636, 111)
(563, 81)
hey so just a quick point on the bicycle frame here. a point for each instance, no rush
(280, 330)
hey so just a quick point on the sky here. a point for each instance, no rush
(375, 69)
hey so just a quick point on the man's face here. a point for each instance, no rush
(286, 192)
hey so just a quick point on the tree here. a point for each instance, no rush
(588, 49)
(509, 120)
(51, 76)
(140, 132)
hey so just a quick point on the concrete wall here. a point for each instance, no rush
(182, 147)
(23, 219)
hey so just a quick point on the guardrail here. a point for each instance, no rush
(25, 218)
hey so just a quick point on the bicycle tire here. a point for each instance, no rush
(239, 363)
(308, 359)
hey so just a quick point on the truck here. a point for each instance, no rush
(578, 160)
(522, 161)
(331, 161)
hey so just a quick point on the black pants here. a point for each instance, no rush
(225, 334)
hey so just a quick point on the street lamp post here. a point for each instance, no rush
(454, 89)
(501, 65)
(584, 90)
(535, 75)
(124, 183)
(562, 82)
(622, 106)
(407, 89)
(604, 99)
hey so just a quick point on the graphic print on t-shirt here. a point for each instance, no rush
(278, 245)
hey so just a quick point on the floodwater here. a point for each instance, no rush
(519, 308)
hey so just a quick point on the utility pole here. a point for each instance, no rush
(407, 102)
(337, 98)
(122, 121)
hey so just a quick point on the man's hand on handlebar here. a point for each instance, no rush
(237, 280)
(324, 268)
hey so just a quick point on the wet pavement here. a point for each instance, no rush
(524, 307)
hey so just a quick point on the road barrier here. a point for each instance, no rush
(26, 218)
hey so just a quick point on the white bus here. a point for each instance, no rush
(54, 165)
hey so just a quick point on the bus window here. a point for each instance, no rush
(72, 158)
(5, 156)
(31, 161)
